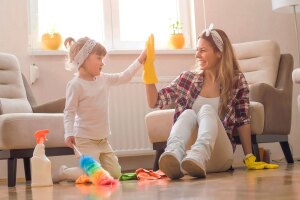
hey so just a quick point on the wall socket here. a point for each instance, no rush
(34, 73)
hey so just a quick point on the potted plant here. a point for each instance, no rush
(51, 40)
(176, 40)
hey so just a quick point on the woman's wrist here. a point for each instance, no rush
(248, 155)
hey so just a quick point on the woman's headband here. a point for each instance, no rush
(83, 53)
(215, 36)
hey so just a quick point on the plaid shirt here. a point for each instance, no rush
(184, 90)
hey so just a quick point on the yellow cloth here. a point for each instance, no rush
(252, 165)
(149, 75)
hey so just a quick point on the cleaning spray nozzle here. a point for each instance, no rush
(40, 136)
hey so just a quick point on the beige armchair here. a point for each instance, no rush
(21, 117)
(269, 75)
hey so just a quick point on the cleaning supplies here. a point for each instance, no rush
(93, 169)
(251, 164)
(40, 164)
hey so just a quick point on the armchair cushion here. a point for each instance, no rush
(259, 61)
(14, 106)
(12, 91)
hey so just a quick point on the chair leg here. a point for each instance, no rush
(157, 156)
(287, 151)
(27, 168)
(256, 151)
(12, 171)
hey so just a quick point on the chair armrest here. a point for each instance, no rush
(277, 107)
(56, 106)
(257, 114)
(159, 124)
(296, 76)
(17, 129)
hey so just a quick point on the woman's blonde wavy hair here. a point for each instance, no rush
(228, 68)
(74, 47)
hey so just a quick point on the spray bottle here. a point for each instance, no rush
(40, 164)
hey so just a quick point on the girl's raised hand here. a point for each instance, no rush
(70, 141)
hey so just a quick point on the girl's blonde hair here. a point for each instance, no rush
(228, 68)
(74, 47)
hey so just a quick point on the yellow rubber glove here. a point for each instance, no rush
(252, 165)
(149, 75)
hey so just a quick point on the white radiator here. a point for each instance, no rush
(127, 108)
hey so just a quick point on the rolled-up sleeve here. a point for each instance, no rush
(242, 113)
(168, 94)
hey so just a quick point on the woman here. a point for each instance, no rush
(215, 99)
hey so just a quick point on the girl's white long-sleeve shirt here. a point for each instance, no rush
(86, 110)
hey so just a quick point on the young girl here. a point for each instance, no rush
(86, 117)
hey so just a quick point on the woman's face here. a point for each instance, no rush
(207, 57)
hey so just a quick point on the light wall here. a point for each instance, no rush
(241, 20)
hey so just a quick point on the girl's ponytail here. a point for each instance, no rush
(69, 42)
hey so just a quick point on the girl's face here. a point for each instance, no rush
(207, 57)
(93, 64)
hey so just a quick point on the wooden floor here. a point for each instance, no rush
(282, 183)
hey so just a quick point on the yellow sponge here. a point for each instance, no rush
(149, 75)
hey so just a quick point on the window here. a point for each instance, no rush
(71, 18)
(136, 19)
(119, 24)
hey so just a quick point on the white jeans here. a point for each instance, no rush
(212, 141)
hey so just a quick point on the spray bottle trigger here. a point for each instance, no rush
(40, 136)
